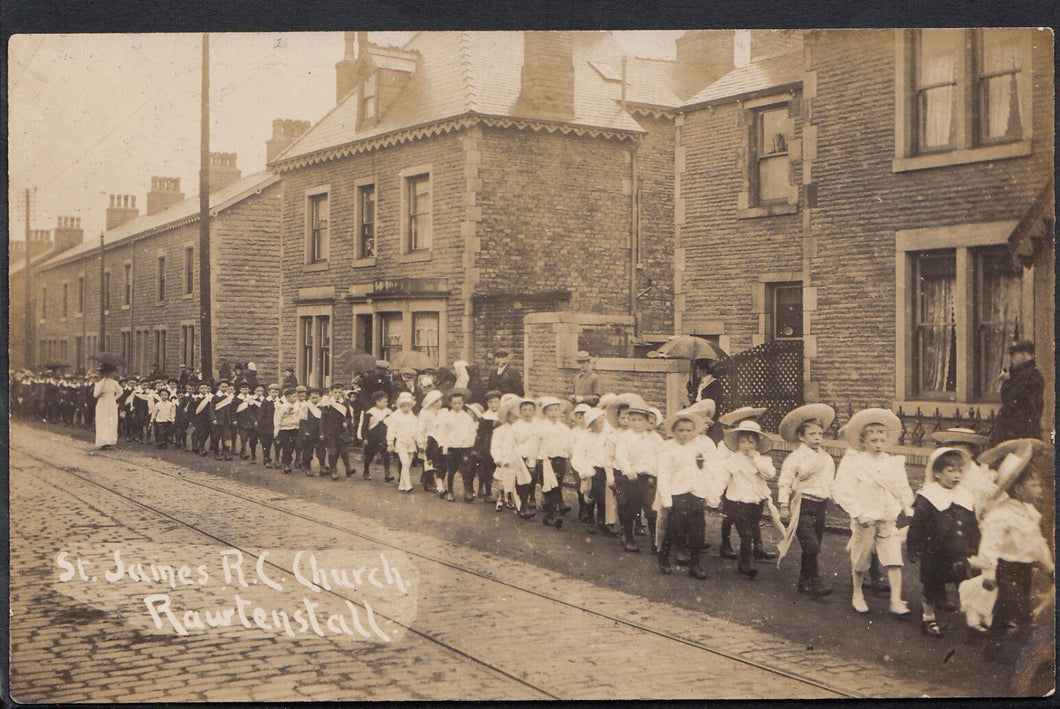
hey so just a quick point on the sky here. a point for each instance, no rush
(97, 114)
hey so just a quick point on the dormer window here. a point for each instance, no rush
(368, 101)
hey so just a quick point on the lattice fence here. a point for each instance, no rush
(769, 376)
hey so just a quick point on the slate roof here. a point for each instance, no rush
(21, 263)
(187, 209)
(460, 73)
(767, 73)
(653, 82)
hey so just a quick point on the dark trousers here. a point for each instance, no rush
(162, 429)
(746, 516)
(646, 484)
(554, 497)
(459, 459)
(810, 532)
(266, 446)
(595, 508)
(726, 531)
(223, 439)
(372, 448)
(1013, 612)
(434, 459)
(285, 444)
(337, 449)
(484, 469)
(685, 525)
(627, 495)
(313, 445)
(248, 436)
(198, 438)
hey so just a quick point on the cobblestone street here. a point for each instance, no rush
(474, 624)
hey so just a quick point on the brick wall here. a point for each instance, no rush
(655, 165)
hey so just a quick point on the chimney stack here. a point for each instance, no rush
(40, 240)
(770, 43)
(345, 74)
(223, 170)
(548, 73)
(704, 56)
(285, 132)
(122, 208)
(68, 233)
(165, 192)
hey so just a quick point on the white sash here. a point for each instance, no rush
(312, 409)
(202, 404)
(223, 402)
(548, 475)
(341, 408)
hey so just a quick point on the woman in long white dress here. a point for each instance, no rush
(106, 391)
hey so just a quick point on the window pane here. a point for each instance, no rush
(787, 311)
(999, 315)
(936, 73)
(189, 270)
(1000, 50)
(773, 176)
(390, 335)
(425, 334)
(419, 213)
(772, 134)
(323, 361)
(366, 247)
(318, 238)
(935, 346)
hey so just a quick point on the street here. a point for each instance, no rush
(495, 608)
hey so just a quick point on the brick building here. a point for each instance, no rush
(151, 278)
(884, 196)
(469, 178)
(20, 339)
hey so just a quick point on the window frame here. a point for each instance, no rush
(771, 291)
(160, 279)
(409, 178)
(360, 187)
(43, 303)
(189, 271)
(314, 196)
(314, 363)
(105, 289)
(64, 303)
(127, 285)
(80, 295)
(759, 155)
(968, 148)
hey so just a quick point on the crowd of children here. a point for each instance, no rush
(973, 524)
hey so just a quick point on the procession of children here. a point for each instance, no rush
(652, 481)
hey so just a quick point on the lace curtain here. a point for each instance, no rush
(937, 86)
(937, 328)
(999, 86)
(1000, 316)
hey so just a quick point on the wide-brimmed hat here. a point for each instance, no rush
(593, 415)
(704, 408)
(605, 400)
(382, 364)
(657, 414)
(744, 412)
(1011, 459)
(582, 356)
(959, 435)
(476, 410)
(929, 466)
(252, 367)
(582, 408)
(851, 432)
(630, 400)
(765, 443)
(698, 420)
(509, 404)
(796, 417)
(404, 397)
(456, 392)
(546, 401)
(432, 397)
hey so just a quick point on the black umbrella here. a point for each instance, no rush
(109, 358)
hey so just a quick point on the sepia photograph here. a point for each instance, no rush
(531, 365)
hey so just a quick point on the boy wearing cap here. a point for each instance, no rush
(578, 432)
(163, 416)
(310, 433)
(483, 460)
(373, 432)
(247, 410)
(944, 532)
(873, 489)
(809, 473)
(427, 442)
(285, 428)
(335, 423)
(1012, 544)
(266, 414)
(636, 458)
(402, 427)
(222, 422)
(686, 487)
(456, 436)
(745, 472)
(200, 419)
(554, 451)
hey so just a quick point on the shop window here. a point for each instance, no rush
(425, 334)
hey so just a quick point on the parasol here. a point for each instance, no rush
(413, 359)
(354, 362)
(108, 358)
(690, 347)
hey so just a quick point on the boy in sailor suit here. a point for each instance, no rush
(248, 407)
(554, 451)
(266, 413)
(427, 442)
(525, 433)
(456, 430)
(402, 427)
(944, 532)
(309, 432)
(223, 422)
(335, 422)
(373, 432)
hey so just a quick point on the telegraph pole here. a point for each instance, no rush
(29, 295)
(205, 324)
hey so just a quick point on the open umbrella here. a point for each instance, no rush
(690, 347)
(109, 358)
(413, 359)
(354, 362)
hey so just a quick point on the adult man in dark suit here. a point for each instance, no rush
(377, 380)
(503, 377)
(1022, 397)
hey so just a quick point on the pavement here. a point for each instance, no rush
(494, 608)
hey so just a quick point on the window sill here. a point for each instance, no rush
(160, 304)
(364, 262)
(319, 266)
(187, 296)
(415, 256)
(962, 157)
(124, 307)
(767, 210)
(948, 409)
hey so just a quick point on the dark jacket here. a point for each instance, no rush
(225, 416)
(289, 382)
(941, 538)
(265, 417)
(1022, 403)
(508, 382)
(334, 423)
(373, 382)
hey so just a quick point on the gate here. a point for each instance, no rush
(769, 375)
